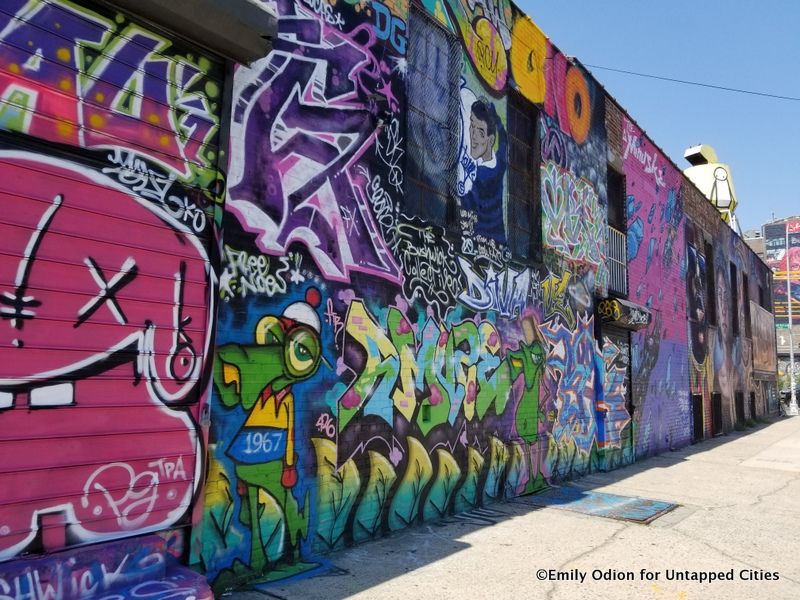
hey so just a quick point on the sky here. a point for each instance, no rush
(732, 43)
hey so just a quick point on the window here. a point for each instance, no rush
(617, 246)
(434, 67)
(616, 200)
(746, 301)
(761, 296)
(734, 301)
(524, 207)
(711, 298)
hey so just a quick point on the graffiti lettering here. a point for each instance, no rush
(326, 11)
(133, 93)
(77, 577)
(326, 425)
(247, 273)
(457, 369)
(390, 151)
(134, 173)
(296, 187)
(389, 27)
(574, 221)
(429, 264)
(609, 310)
(615, 393)
(633, 147)
(556, 302)
(571, 363)
(505, 291)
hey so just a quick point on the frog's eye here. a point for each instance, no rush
(302, 352)
(269, 331)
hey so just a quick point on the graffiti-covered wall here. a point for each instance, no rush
(431, 266)
(730, 339)
(656, 271)
(108, 158)
(400, 336)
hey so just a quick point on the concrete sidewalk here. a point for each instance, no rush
(739, 496)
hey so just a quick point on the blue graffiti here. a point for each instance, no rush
(389, 27)
(571, 361)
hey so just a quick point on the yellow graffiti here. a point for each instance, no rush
(528, 55)
(488, 54)
(609, 310)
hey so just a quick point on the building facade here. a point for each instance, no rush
(785, 263)
(411, 261)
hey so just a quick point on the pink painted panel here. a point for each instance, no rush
(104, 326)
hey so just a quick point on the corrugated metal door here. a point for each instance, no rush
(106, 289)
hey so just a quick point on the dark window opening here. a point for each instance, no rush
(716, 413)
(697, 418)
(748, 326)
(734, 287)
(433, 71)
(711, 297)
(616, 200)
(761, 296)
(524, 207)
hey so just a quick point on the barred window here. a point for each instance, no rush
(524, 223)
(434, 67)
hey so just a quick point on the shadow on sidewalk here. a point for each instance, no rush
(351, 570)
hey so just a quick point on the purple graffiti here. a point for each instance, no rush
(304, 118)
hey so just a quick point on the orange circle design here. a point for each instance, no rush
(579, 108)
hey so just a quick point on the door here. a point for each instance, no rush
(106, 295)
(697, 418)
(615, 417)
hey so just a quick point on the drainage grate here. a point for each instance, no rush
(599, 504)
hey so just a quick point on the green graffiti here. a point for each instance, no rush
(370, 512)
(528, 362)
(428, 381)
(495, 477)
(336, 495)
(467, 496)
(258, 378)
(443, 487)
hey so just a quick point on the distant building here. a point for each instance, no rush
(755, 240)
(785, 265)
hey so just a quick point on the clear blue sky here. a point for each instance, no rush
(733, 43)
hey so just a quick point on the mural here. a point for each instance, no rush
(438, 375)
(106, 284)
(482, 165)
(701, 336)
(764, 349)
(400, 332)
(777, 255)
(99, 336)
(657, 275)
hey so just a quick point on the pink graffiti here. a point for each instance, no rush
(104, 325)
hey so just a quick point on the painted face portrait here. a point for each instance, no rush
(722, 305)
(794, 261)
(482, 132)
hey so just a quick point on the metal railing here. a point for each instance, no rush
(617, 252)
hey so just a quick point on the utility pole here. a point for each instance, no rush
(793, 408)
